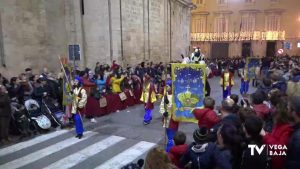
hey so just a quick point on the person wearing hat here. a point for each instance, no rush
(204, 154)
(79, 102)
(166, 109)
(148, 97)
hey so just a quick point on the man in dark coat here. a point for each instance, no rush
(293, 148)
(5, 114)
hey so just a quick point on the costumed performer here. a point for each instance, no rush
(226, 83)
(166, 110)
(148, 97)
(78, 104)
(244, 81)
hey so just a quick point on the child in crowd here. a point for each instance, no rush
(179, 149)
(204, 154)
(206, 117)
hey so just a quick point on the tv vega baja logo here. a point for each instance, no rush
(271, 150)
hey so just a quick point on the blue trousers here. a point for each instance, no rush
(170, 135)
(147, 116)
(244, 87)
(226, 92)
(78, 123)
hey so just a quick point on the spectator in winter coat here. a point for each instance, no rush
(265, 87)
(40, 90)
(227, 117)
(204, 154)
(261, 109)
(278, 82)
(206, 117)
(280, 134)
(116, 83)
(293, 148)
(252, 128)
(5, 114)
(179, 149)
(229, 142)
(236, 107)
(100, 81)
(246, 112)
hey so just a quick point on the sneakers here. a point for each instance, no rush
(93, 120)
(146, 122)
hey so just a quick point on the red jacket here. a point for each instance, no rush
(280, 136)
(176, 152)
(206, 117)
(88, 86)
(261, 110)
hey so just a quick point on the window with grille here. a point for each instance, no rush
(248, 23)
(199, 25)
(273, 22)
(221, 24)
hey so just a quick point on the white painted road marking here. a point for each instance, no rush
(86, 153)
(127, 156)
(25, 144)
(45, 152)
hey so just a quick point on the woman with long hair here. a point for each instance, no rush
(280, 133)
(229, 142)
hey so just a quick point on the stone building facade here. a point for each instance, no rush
(237, 16)
(33, 33)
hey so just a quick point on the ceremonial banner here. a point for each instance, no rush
(188, 81)
(251, 65)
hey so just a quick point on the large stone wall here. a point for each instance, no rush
(35, 32)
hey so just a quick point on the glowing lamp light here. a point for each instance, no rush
(280, 51)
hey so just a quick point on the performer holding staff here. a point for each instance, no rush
(79, 102)
(166, 110)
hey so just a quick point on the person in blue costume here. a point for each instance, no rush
(79, 102)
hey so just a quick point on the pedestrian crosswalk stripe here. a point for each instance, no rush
(127, 156)
(34, 141)
(84, 154)
(45, 152)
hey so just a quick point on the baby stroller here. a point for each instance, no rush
(56, 115)
(20, 120)
(40, 121)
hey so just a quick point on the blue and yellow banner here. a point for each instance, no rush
(251, 65)
(188, 81)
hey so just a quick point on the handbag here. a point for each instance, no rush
(103, 102)
(122, 96)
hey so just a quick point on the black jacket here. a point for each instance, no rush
(205, 156)
(5, 109)
(293, 149)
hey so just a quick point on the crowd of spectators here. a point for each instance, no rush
(270, 116)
